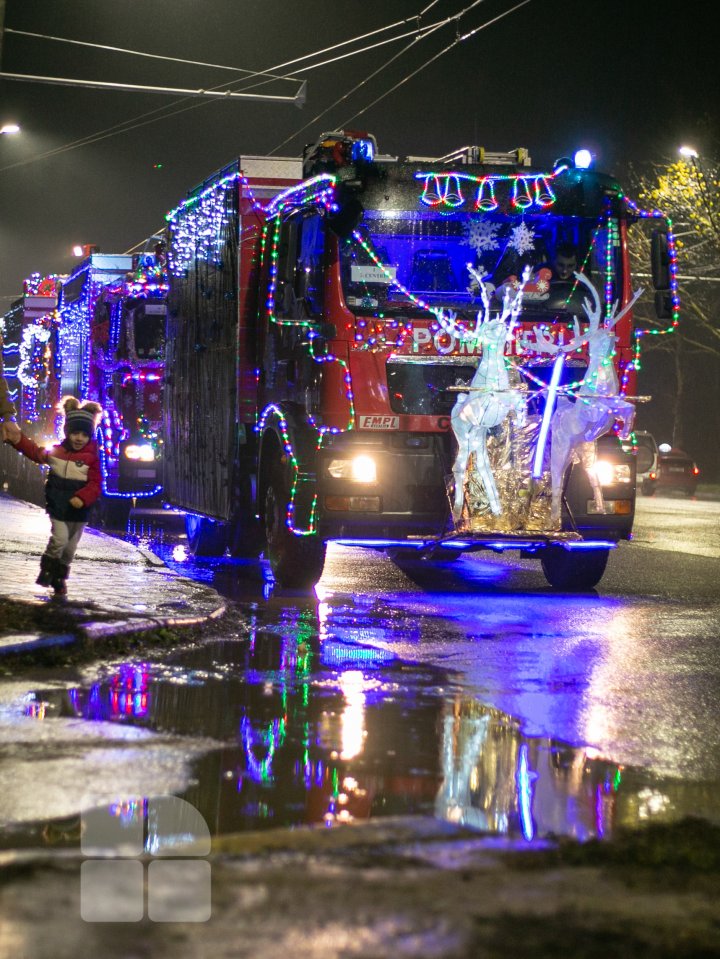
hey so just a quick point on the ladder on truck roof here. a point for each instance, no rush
(480, 156)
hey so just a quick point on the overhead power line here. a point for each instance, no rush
(298, 98)
(427, 63)
(167, 111)
(141, 53)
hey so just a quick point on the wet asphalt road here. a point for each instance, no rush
(468, 690)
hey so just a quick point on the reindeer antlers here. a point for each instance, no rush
(594, 310)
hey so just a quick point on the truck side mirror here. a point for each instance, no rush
(663, 305)
(660, 260)
(347, 217)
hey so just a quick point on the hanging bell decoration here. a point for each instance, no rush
(486, 196)
(521, 194)
(432, 193)
(452, 195)
(544, 195)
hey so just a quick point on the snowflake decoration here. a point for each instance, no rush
(481, 235)
(522, 239)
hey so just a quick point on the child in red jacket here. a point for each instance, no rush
(73, 484)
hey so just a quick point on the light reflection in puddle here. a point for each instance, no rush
(307, 741)
(320, 726)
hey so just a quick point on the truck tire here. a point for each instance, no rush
(246, 541)
(206, 537)
(296, 561)
(565, 569)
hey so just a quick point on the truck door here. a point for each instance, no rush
(291, 373)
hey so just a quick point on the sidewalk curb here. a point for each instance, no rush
(98, 630)
(118, 588)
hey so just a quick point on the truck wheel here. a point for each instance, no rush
(246, 540)
(565, 569)
(296, 561)
(206, 537)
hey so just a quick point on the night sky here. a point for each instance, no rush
(630, 80)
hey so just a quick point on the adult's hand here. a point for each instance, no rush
(10, 432)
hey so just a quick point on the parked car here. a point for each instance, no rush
(647, 453)
(675, 471)
(662, 468)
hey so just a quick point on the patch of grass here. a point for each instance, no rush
(49, 617)
(691, 846)
(579, 937)
(53, 618)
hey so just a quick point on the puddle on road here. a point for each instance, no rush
(316, 724)
(319, 731)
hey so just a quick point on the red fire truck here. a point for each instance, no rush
(125, 375)
(325, 320)
(98, 334)
(29, 345)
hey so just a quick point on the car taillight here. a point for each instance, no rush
(695, 471)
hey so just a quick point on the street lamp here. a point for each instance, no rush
(9, 128)
(690, 153)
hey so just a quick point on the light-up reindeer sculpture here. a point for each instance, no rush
(597, 401)
(491, 398)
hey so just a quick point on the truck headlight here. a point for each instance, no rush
(140, 451)
(609, 474)
(360, 469)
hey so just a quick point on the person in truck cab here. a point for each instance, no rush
(73, 484)
(564, 264)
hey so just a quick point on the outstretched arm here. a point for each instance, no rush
(28, 448)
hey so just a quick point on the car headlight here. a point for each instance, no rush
(610, 473)
(360, 469)
(140, 451)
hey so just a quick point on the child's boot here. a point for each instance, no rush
(47, 570)
(60, 574)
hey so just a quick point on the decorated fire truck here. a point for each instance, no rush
(96, 334)
(384, 352)
(30, 358)
(125, 374)
(111, 319)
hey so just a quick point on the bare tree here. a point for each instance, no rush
(687, 190)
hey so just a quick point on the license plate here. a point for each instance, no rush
(677, 469)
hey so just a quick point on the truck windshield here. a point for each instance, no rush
(409, 261)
